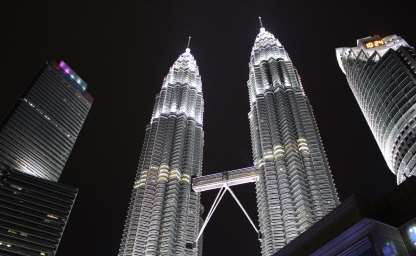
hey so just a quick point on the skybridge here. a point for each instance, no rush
(224, 181)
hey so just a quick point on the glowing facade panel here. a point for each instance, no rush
(383, 81)
(164, 213)
(295, 187)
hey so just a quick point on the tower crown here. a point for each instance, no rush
(368, 46)
(264, 38)
(185, 61)
(184, 71)
(181, 91)
(267, 46)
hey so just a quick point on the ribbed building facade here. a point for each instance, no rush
(295, 187)
(164, 213)
(37, 137)
(382, 75)
(33, 213)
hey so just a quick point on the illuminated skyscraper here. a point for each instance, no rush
(33, 215)
(295, 187)
(37, 137)
(382, 75)
(164, 213)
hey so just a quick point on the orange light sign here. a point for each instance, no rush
(374, 43)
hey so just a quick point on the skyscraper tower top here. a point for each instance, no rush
(266, 46)
(367, 46)
(280, 73)
(381, 74)
(37, 137)
(184, 76)
(70, 74)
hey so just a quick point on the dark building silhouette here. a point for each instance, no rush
(361, 226)
(37, 137)
(33, 213)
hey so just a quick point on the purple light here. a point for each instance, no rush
(64, 67)
(62, 64)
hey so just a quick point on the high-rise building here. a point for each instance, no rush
(295, 187)
(382, 75)
(38, 135)
(33, 213)
(164, 213)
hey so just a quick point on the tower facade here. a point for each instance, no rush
(34, 213)
(164, 213)
(37, 137)
(295, 187)
(382, 75)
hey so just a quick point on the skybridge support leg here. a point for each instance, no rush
(214, 206)
(217, 200)
(242, 208)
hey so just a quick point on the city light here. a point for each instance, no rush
(411, 232)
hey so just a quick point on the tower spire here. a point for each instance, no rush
(261, 23)
(189, 43)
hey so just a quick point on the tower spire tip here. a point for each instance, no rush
(261, 25)
(260, 21)
(189, 44)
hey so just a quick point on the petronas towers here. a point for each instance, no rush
(294, 185)
(163, 214)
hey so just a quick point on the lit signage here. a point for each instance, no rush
(374, 43)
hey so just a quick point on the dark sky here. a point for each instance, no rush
(123, 49)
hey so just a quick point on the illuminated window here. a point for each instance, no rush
(52, 216)
(12, 231)
(411, 232)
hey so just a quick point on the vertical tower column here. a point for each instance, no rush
(295, 187)
(164, 212)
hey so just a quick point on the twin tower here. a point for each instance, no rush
(294, 185)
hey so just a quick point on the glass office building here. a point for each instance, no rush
(37, 137)
(33, 213)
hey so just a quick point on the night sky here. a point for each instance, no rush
(123, 49)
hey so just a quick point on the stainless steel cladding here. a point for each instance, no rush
(164, 212)
(295, 187)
